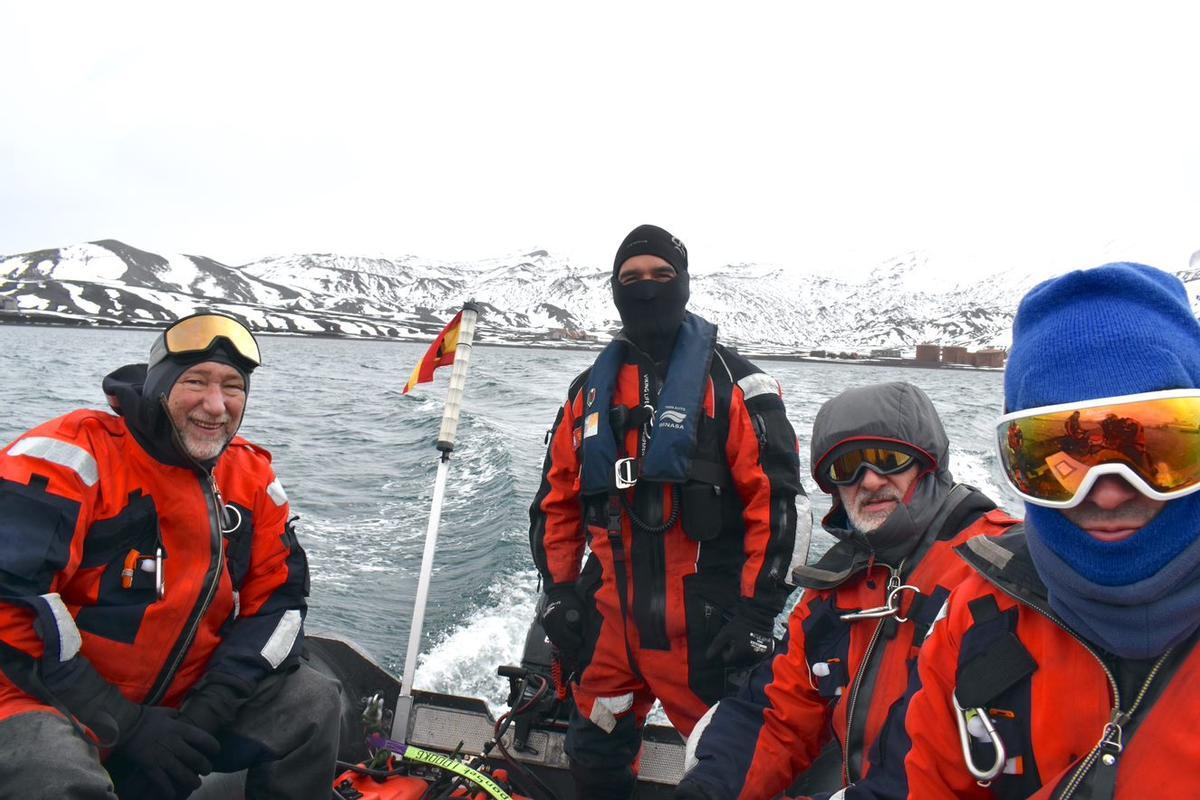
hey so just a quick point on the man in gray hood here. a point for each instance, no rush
(882, 454)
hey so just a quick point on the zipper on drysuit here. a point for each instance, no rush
(656, 637)
(894, 582)
(658, 576)
(212, 498)
(1110, 745)
(778, 566)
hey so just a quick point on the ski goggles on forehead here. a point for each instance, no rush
(198, 333)
(883, 458)
(1054, 454)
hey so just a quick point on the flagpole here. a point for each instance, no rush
(445, 445)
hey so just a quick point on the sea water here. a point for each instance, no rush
(357, 459)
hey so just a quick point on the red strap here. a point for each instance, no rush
(560, 688)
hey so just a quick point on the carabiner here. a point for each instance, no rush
(869, 613)
(890, 609)
(160, 586)
(963, 717)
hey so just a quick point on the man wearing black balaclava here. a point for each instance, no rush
(650, 289)
(674, 462)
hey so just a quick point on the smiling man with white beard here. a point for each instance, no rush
(881, 452)
(152, 592)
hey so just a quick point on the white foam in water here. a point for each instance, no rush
(464, 659)
(975, 468)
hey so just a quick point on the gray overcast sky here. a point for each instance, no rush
(810, 137)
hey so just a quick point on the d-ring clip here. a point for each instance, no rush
(894, 601)
(625, 473)
(227, 511)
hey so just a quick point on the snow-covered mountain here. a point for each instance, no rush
(530, 298)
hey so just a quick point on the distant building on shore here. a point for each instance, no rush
(990, 357)
(568, 335)
(887, 352)
(954, 354)
(9, 304)
(929, 353)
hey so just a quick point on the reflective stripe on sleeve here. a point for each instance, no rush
(757, 383)
(276, 493)
(71, 456)
(69, 640)
(282, 640)
(605, 710)
(693, 741)
(802, 545)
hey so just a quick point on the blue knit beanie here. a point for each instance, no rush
(1114, 330)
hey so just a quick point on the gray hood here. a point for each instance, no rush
(898, 412)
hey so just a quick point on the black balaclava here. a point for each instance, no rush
(140, 394)
(652, 312)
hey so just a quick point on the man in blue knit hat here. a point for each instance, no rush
(1064, 667)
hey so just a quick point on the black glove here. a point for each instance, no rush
(154, 753)
(215, 701)
(694, 790)
(562, 619)
(745, 639)
(161, 755)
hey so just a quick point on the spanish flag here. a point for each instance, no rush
(440, 353)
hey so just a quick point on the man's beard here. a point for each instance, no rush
(204, 448)
(864, 521)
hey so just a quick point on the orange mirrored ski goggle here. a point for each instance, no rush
(848, 467)
(882, 456)
(196, 333)
(1054, 454)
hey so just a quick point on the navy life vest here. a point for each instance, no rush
(669, 454)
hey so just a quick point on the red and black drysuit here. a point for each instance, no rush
(84, 509)
(844, 675)
(727, 550)
(1075, 722)
(835, 676)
